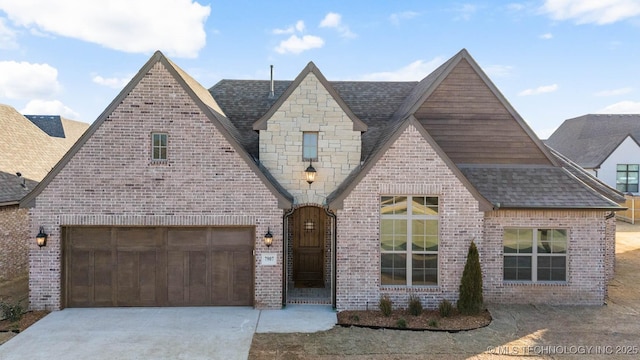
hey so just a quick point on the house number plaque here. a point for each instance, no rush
(269, 259)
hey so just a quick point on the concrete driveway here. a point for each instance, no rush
(159, 333)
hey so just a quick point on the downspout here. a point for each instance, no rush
(334, 227)
(285, 253)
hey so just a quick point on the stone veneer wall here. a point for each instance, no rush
(310, 108)
(14, 242)
(409, 167)
(111, 181)
(586, 271)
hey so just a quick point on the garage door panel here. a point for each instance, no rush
(158, 266)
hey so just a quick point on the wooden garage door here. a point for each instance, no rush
(137, 266)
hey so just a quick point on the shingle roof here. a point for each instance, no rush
(246, 101)
(588, 140)
(50, 124)
(14, 188)
(25, 148)
(541, 187)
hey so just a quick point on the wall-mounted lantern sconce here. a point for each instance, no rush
(41, 238)
(268, 238)
(310, 173)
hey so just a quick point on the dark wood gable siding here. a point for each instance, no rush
(472, 126)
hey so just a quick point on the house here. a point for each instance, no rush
(27, 152)
(605, 145)
(266, 193)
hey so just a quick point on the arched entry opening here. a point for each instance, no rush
(309, 255)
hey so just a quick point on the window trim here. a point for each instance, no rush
(534, 255)
(160, 147)
(317, 136)
(409, 216)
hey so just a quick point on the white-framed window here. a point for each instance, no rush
(535, 255)
(627, 177)
(409, 239)
(159, 146)
(310, 146)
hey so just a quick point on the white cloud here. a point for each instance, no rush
(405, 15)
(592, 11)
(142, 26)
(331, 20)
(539, 90)
(334, 20)
(515, 7)
(114, 83)
(415, 71)
(465, 11)
(296, 45)
(7, 36)
(614, 92)
(299, 26)
(546, 36)
(53, 107)
(498, 70)
(622, 107)
(23, 80)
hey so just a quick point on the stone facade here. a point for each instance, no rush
(310, 108)
(112, 181)
(14, 242)
(409, 167)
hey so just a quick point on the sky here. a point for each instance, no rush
(552, 59)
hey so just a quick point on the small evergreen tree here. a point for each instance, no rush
(470, 301)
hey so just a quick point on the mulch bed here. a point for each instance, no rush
(28, 319)
(428, 320)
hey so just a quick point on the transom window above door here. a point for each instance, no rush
(310, 146)
(409, 238)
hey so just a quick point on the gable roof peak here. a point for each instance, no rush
(261, 124)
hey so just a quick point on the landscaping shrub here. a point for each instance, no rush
(385, 305)
(12, 312)
(415, 306)
(471, 301)
(433, 323)
(445, 308)
(401, 323)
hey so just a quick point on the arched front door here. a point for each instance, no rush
(309, 234)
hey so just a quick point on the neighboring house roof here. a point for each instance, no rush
(26, 148)
(588, 140)
(14, 188)
(50, 124)
(202, 98)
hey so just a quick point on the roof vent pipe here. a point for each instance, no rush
(271, 91)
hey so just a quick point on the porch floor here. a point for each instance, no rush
(316, 296)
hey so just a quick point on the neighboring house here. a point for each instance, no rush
(605, 145)
(28, 150)
(168, 197)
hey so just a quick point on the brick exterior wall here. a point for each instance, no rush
(586, 250)
(14, 242)
(409, 167)
(610, 255)
(590, 248)
(112, 181)
(310, 108)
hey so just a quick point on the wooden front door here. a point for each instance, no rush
(308, 247)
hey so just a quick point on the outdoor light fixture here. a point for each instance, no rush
(268, 238)
(41, 238)
(310, 173)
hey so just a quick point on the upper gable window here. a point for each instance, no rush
(159, 146)
(627, 177)
(309, 146)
